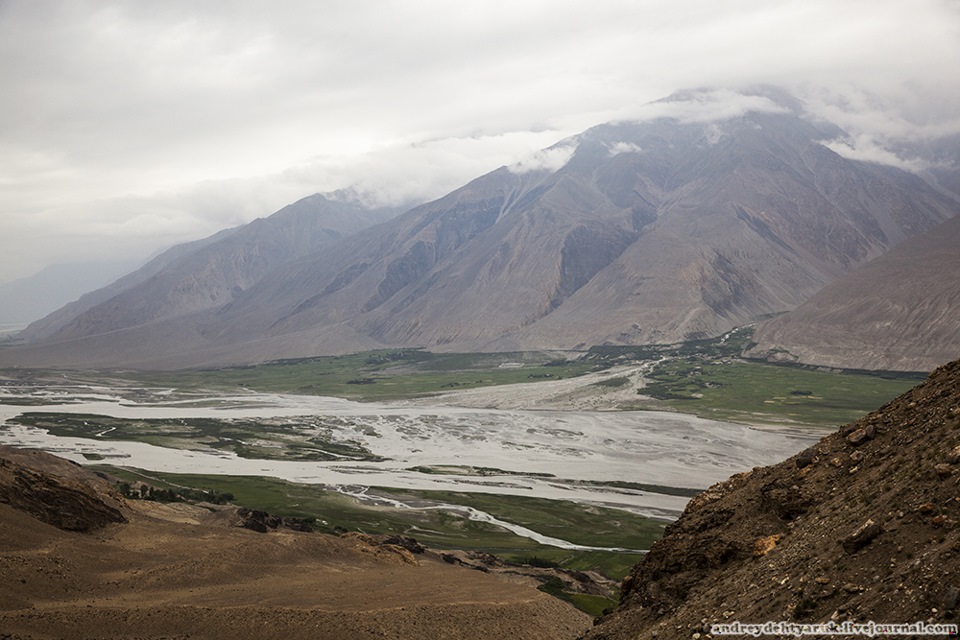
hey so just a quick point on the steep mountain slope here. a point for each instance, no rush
(177, 571)
(897, 312)
(702, 228)
(633, 232)
(209, 273)
(49, 324)
(861, 527)
(938, 161)
(33, 297)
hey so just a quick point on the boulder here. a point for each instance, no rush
(863, 536)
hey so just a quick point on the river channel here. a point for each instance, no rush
(570, 455)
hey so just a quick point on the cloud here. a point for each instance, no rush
(550, 159)
(419, 171)
(910, 113)
(866, 148)
(205, 114)
(885, 128)
(707, 106)
(623, 147)
(398, 173)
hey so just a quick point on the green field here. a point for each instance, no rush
(581, 524)
(310, 438)
(705, 377)
(755, 392)
(378, 375)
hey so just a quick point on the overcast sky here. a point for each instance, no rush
(126, 126)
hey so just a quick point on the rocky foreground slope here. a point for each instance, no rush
(147, 570)
(860, 527)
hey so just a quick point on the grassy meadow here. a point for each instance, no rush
(706, 378)
(379, 375)
(756, 392)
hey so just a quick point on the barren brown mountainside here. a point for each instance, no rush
(182, 571)
(897, 312)
(629, 233)
(861, 527)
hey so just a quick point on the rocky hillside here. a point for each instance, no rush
(861, 527)
(897, 312)
(671, 228)
(651, 232)
(179, 571)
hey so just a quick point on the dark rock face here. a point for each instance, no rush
(788, 502)
(263, 522)
(806, 457)
(586, 251)
(861, 529)
(404, 542)
(62, 502)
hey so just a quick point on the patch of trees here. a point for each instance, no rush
(408, 355)
(141, 491)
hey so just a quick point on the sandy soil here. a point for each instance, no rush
(571, 394)
(583, 393)
(183, 572)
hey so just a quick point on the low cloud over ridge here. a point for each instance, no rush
(189, 117)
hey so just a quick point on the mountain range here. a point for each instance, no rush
(672, 228)
(208, 273)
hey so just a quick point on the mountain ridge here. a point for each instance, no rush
(629, 233)
(898, 311)
(210, 272)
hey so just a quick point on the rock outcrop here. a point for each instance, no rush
(68, 498)
(263, 522)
